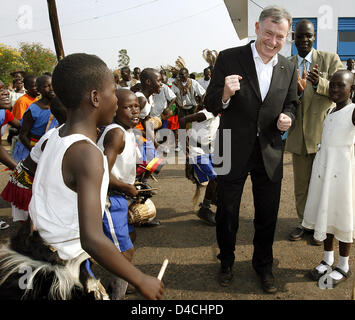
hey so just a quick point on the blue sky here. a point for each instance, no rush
(154, 32)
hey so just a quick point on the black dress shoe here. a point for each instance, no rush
(297, 234)
(315, 242)
(225, 276)
(206, 215)
(268, 282)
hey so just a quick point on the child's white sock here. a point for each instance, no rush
(343, 264)
(328, 258)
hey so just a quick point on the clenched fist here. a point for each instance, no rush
(231, 85)
(284, 122)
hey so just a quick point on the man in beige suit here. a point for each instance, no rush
(315, 69)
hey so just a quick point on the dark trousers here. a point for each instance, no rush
(266, 196)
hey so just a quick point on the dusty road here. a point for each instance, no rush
(191, 247)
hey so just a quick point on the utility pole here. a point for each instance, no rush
(53, 18)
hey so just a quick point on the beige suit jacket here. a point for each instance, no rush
(306, 131)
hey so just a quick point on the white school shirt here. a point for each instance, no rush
(161, 100)
(54, 207)
(188, 100)
(14, 96)
(204, 83)
(128, 83)
(124, 168)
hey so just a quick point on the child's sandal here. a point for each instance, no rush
(346, 275)
(315, 275)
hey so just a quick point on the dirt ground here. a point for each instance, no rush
(191, 248)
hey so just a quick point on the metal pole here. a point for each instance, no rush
(53, 18)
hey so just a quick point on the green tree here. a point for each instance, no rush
(36, 58)
(10, 60)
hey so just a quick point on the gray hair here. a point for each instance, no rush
(277, 14)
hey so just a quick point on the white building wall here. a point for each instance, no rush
(326, 12)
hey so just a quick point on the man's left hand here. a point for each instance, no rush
(284, 122)
(313, 75)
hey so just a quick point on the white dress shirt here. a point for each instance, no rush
(263, 71)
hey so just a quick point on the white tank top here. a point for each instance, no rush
(124, 168)
(36, 151)
(54, 207)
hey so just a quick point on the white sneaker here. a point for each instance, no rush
(177, 149)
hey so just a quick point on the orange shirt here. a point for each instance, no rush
(140, 127)
(21, 105)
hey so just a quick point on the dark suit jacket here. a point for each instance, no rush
(247, 115)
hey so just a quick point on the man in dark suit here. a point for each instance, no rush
(255, 89)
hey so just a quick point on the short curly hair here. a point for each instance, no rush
(76, 75)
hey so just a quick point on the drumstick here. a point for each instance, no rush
(151, 189)
(162, 269)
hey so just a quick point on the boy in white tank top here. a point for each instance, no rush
(70, 186)
(118, 143)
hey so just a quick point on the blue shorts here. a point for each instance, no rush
(115, 223)
(204, 168)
